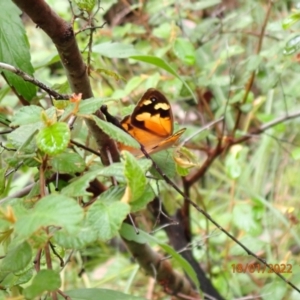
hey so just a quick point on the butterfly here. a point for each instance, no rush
(151, 124)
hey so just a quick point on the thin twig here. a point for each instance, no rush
(249, 252)
(62, 263)
(63, 295)
(34, 81)
(253, 74)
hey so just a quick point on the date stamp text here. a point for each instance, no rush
(259, 268)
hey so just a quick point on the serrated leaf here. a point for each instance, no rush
(55, 210)
(17, 258)
(116, 133)
(143, 200)
(106, 219)
(135, 175)
(89, 106)
(54, 138)
(86, 5)
(22, 137)
(77, 187)
(185, 51)
(45, 280)
(81, 237)
(67, 163)
(14, 279)
(86, 233)
(14, 49)
(115, 50)
(113, 194)
(96, 294)
(27, 115)
(115, 170)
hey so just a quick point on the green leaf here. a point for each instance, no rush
(17, 278)
(2, 180)
(181, 171)
(89, 106)
(296, 153)
(113, 194)
(27, 115)
(115, 170)
(54, 138)
(163, 30)
(156, 61)
(182, 262)
(110, 73)
(45, 280)
(88, 232)
(132, 84)
(22, 137)
(277, 288)
(116, 133)
(203, 4)
(14, 49)
(143, 200)
(230, 51)
(253, 62)
(292, 46)
(106, 218)
(165, 162)
(243, 218)
(96, 294)
(82, 236)
(185, 51)
(128, 232)
(291, 20)
(17, 258)
(55, 210)
(86, 5)
(67, 163)
(78, 187)
(135, 175)
(115, 50)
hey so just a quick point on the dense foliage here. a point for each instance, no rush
(70, 203)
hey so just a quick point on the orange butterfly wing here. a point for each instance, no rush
(151, 123)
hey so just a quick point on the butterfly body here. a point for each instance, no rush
(151, 124)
